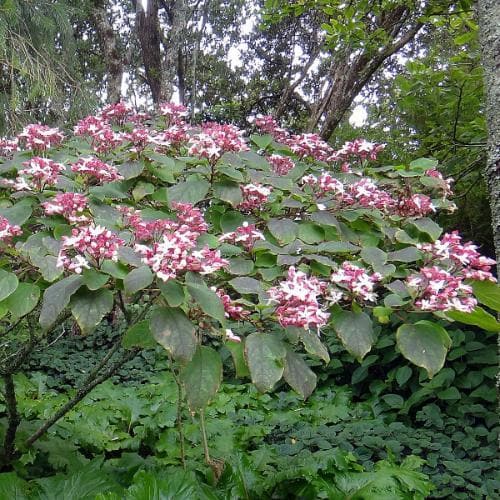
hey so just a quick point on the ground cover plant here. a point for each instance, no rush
(265, 250)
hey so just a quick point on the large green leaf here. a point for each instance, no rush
(487, 293)
(12, 487)
(478, 317)
(8, 284)
(284, 230)
(19, 213)
(139, 335)
(314, 346)
(207, 299)
(425, 344)
(23, 300)
(298, 375)
(172, 291)
(138, 279)
(228, 191)
(192, 191)
(173, 330)
(265, 356)
(237, 351)
(355, 330)
(428, 226)
(245, 285)
(89, 307)
(201, 377)
(57, 297)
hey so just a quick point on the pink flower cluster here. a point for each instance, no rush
(462, 258)
(102, 136)
(175, 112)
(359, 148)
(8, 146)
(357, 281)
(445, 183)
(38, 173)
(269, 125)
(70, 205)
(173, 136)
(88, 245)
(232, 309)
(416, 205)
(118, 112)
(95, 169)
(281, 164)
(254, 196)
(8, 231)
(40, 137)
(438, 290)
(297, 299)
(325, 184)
(139, 137)
(310, 145)
(173, 247)
(246, 234)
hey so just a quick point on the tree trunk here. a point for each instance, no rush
(489, 30)
(110, 50)
(148, 33)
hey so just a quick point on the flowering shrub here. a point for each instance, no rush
(265, 243)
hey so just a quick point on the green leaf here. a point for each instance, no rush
(131, 169)
(230, 172)
(355, 330)
(284, 230)
(487, 293)
(240, 266)
(56, 297)
(201, 377)
(403, 374)
(115, 269)
(424, 163)
(408, 254)
(139, 335)
(8, 284)
(428, 226)
(314, 346)
(88, 308)
(138, 279)
(173, 330)
(142, 189)
(228, 191)
(373, 256)
(478, 317)
(449, 394)
(12, 487)
(207, 299)
(337, 247)
(231, 220)
(425, 344)
(237, 351)
(17, 214)
(262, 141)
(172, 291)
(246, 285)
(192, 191)
(23, 300)
(265, 355)
(298, 375)
(311, 233)
(93, 279)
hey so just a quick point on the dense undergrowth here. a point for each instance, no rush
(374, 430)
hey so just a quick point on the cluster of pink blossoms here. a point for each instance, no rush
(172, 247)
(232, 309)
(445, 183)
(98, 129)
(173, 136)
(175, 112)
(96, 169)
(462, 258)
(8, 230)
(297, 299)
(254, 196)
(8, 146)
(40, 137)
(70, 205)
(246, 234)
(415, 205)
(325, 184)
(88, 246)
(117, 112)
(359, 148)
(37, 173)
(269, 125)
(139, 137)
(438, 290)
(357, 282)
(281, 164)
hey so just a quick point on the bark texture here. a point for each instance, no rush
(489, 29)
(110, 50)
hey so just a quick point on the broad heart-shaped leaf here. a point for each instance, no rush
(424, 163)
(139, 335)
(373, 256)
(298, 375)
(138, 279)
(131, 169)
(23, 300)
(284, 230)
(425, 344)
(94, 279)
(246, 285)
(192, 191)
(408, 254)
(355, 330)
(142, 189)
(262, 141)
(172, 291)
(229, 192)
(265, 356)
(207, 299)
(478, 317)
(311, 233)
(57, 297)
(89, 307)
(314, 346)
(201, 377)
(8, 284)
(19, 213)
(428, 226)
(173, 330)
(487, 293)
(237, 351)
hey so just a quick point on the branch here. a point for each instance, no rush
(13, 420)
